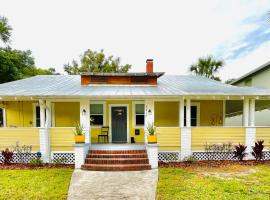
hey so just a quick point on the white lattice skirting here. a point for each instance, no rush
(169, 156)
(174, 156)
(63, 157)
(21, 158)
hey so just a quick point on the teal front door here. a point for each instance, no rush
(119, 124)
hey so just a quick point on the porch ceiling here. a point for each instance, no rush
(63, 86)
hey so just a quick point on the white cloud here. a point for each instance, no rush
(243, 65)
(174, 33)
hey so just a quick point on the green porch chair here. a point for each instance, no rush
(104, 134)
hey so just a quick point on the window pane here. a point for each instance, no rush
(96, 119)
(193, 122)
(139, 108)
(1, 118)
(37, 116)
(139, 119)
(96, 108)
(193, 111)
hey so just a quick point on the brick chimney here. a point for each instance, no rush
(149, 65)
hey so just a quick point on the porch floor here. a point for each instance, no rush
(111, 146)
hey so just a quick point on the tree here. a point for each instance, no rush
(16, 64)
(5, 30)
(207, 66)
(93, 61)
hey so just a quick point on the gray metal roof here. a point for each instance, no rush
(168, 85)
(253, 72)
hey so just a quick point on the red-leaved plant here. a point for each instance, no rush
(8, 156)
(239, 151)
(258, 150)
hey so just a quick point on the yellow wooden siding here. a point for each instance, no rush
(62, 139)
(19, 113)
(167, 114)
(211, 112)
(25, 136)
(67, 114)
(263, 134)
(169, 138)
(211, 135)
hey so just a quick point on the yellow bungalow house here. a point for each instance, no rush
(187, 111)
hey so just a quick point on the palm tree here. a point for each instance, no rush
(207, 66)
(5, 30)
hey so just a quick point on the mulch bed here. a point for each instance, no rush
(212, 163)
(18, 166)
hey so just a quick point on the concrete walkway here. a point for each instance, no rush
(97, 185)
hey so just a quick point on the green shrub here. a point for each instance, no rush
(191, 159)
(59, 161)
(8, 156)
(36, 162)
(258, 150)
(239, 151)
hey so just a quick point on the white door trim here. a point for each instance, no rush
(110, 120)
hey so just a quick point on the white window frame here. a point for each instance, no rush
(4, 117)
(104, 113)
(198, 105)
(134, 103)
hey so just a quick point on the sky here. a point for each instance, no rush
(175, 33)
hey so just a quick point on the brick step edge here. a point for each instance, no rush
(116, 161)
(143, 155)
(94, 167)
(117, 151)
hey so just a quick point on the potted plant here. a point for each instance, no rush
(78, 134)
(152, 138)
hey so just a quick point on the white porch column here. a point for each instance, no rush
(85, 119)
(149, 106)
(80, 151)
(188, 113)
(245, 112)
(44, 131)
(48, 123)
(186, 132)
(152, 152)
(250, 141)
(185, 142)
(42, 107)
(252, 112)
(181, 112)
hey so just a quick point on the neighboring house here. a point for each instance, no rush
(259, 77)
(188, 112)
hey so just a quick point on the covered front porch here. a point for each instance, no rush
(184, 125)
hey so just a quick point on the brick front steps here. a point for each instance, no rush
(116, 160)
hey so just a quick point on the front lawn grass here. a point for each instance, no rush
(35, 184)
(230, 182)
